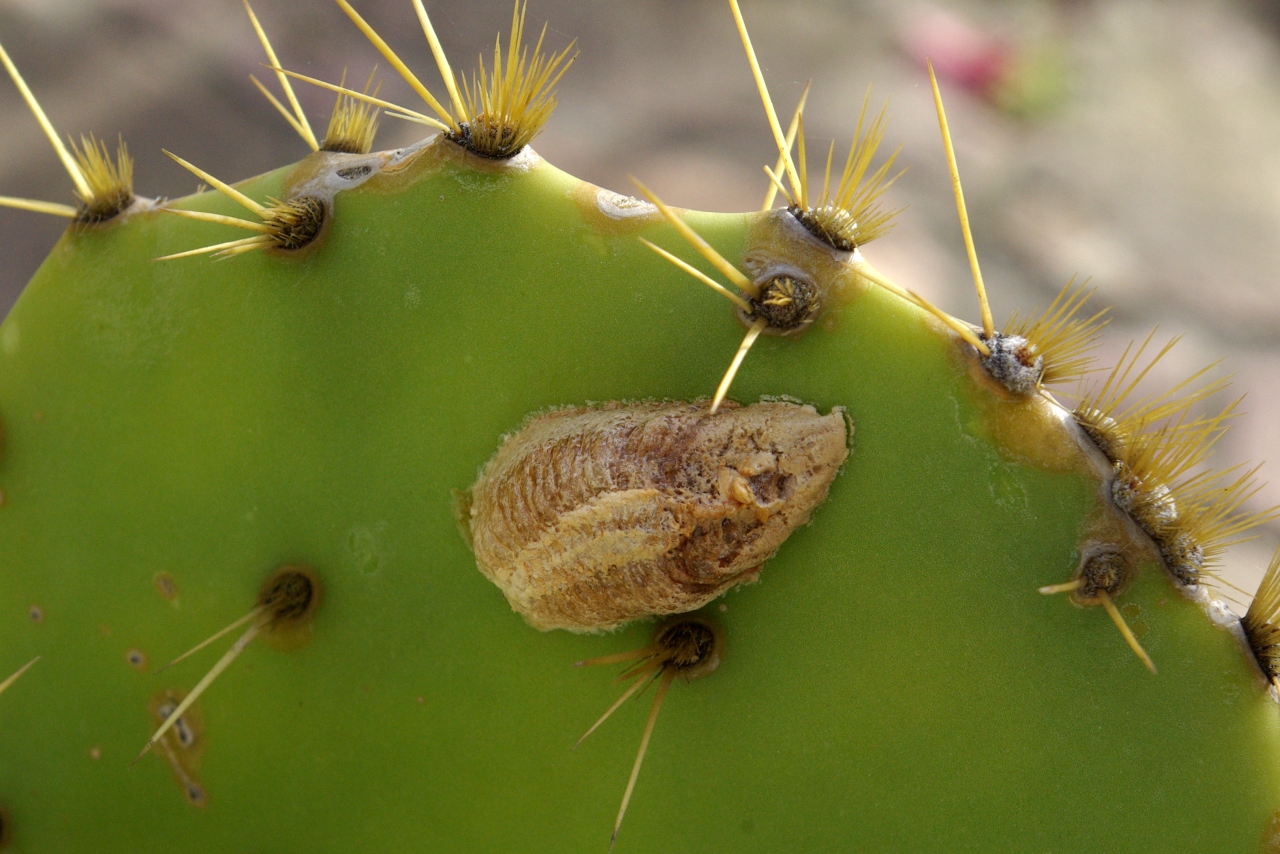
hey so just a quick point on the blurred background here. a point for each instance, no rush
(1136, 142)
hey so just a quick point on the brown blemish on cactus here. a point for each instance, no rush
(460, 500)
(165, 586)
(1271, 835)
(1132, 612)
(36, 613)
(587, 518)
(181, 742)
(286, 602)
(686, 646)
(1026, 429)
(137, 659)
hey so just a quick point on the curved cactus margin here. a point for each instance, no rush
(176, 432)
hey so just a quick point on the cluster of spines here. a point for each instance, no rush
(505, 109)
(1060, 339)
(1262, 622)
(496, 113)
(1156, 445)
(684, 646)
(289, 224)
(352, 124)
(1103, 575)
(1028, 354)
(103, 186)
(849, 215)
(289, 597)
(844, 218)
(110, 181)
(1158, 448)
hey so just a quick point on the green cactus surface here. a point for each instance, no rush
(894, 680)
(175, 431)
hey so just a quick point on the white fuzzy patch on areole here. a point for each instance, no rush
(617, 206)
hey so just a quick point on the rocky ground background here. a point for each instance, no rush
(1136, 142)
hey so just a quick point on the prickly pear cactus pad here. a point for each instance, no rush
(272, 450)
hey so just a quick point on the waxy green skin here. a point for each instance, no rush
(893, 682)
